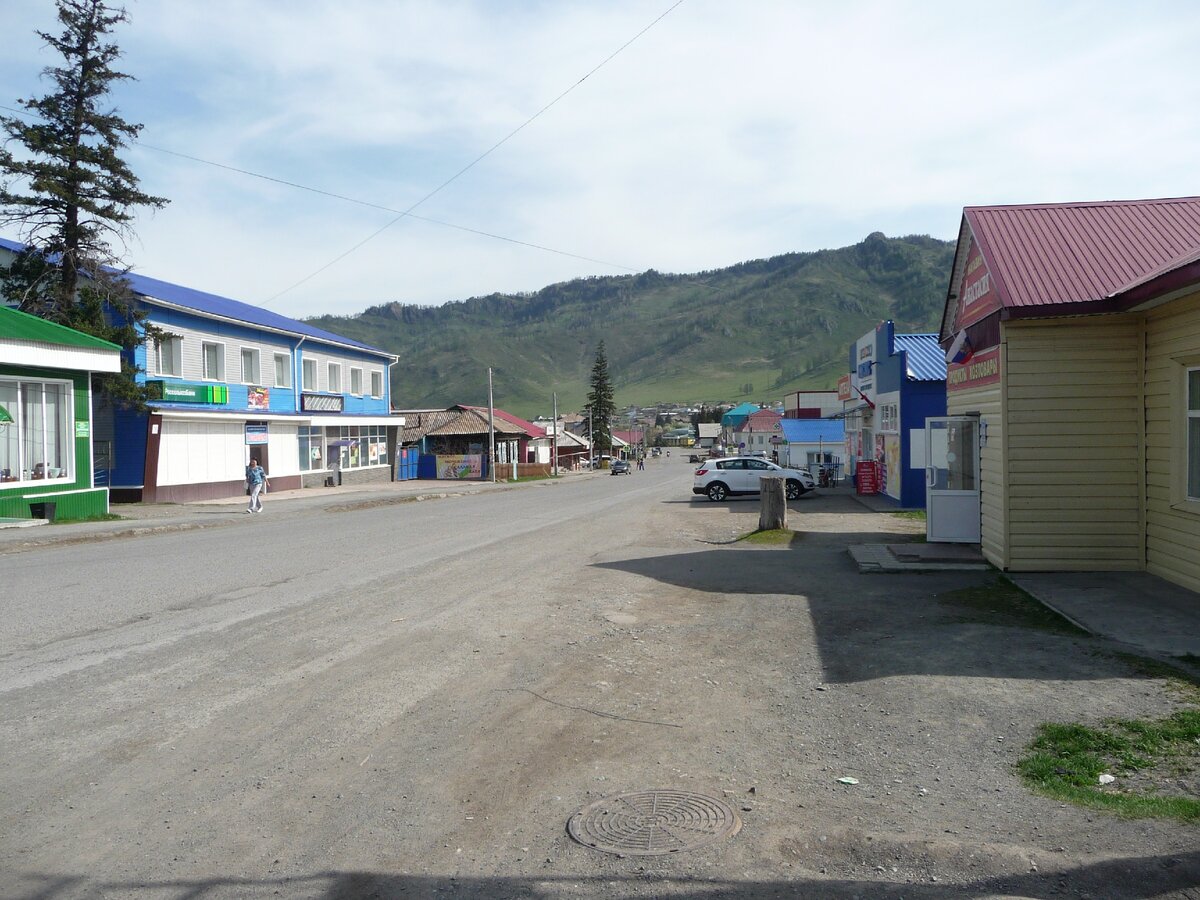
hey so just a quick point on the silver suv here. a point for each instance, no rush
(721, 478)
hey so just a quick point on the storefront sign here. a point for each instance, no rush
(321, 402)
(844, 392)
(867, 475)
(181, 392)
(463, 466)
(256, 434)
(83, 428)
(258, 398)
(982, 369)
(5, 416)
(977, 296)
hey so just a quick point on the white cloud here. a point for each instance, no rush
(727, 131)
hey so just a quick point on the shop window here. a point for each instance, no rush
(36, 437)
(312, 448)
(335, 378)
(250, 372)
(168, 356)
(309, 374)
(376, 384)
(356, 382)
(283, 370)
(213, 356)
(1193, 434)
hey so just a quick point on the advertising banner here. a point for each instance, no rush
(256, 434)
(258, 398)
(181, 392)
(977, 297)
(844, 392)
(980, 370)
(463, 466)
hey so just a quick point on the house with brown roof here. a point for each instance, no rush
(1072, 333)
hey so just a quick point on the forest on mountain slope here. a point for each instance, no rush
(753, 331)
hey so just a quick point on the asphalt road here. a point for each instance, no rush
(382, 699)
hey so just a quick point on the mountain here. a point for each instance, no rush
(753, 331)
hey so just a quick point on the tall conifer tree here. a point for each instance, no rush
(600, 405)
(69, 192)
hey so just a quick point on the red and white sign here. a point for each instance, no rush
(981, 370)
(977, 296)
(867, 476)
(844, 392)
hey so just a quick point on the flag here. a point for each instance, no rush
(960, 351)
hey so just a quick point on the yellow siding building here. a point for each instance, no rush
(1076, 329)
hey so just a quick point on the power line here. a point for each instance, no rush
(357, 201)
(479, 158)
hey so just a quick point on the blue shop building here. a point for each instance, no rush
(233, 381)
(896, 381)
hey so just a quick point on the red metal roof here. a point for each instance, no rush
(1050, 255)
(528, 427)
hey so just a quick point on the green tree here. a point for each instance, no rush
(600, 406)
(71, 195)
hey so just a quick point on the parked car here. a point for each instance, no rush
(695, 458)
(619, 467)
(735, 475)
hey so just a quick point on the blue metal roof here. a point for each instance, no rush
(213, 305)
(812, 431)
(926, 361)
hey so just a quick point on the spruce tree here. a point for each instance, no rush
(600, 405)
(69, 192)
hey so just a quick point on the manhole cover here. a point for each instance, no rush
(651, 823)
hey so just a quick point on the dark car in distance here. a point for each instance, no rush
(618, 467)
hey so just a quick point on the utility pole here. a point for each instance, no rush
(554, 439)
(491, 430)
(591, 441)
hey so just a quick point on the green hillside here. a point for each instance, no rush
(754, 331)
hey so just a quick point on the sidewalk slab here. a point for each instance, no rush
(890, 558)
(1131, 607)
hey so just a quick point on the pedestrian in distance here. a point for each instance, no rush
(256, 478)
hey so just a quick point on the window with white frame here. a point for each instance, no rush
(376, 384)
(309, 374)
(356, 382)
(250, 371)
(1193, 434)
(37, 441)
(213, 356)
(168, 356)
(889, 417)
(283, 370)
(335, 378)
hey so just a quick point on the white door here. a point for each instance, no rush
(952, 479)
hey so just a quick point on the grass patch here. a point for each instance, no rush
(1155, 763)
(1000, 602)
(916, 515)
(775, 537)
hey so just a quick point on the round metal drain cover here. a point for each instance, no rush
(651, 823)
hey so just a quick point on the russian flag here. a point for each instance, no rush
(960, 350)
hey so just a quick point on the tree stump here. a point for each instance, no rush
(772, 510)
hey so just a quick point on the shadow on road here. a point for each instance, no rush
(878, 626)
(1133, 877)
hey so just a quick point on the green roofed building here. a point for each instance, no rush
(46, 418)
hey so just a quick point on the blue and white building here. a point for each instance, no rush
(896, 381)
(234, 381)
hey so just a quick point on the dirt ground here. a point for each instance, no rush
(654, 654)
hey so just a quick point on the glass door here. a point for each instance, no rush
(952, 479)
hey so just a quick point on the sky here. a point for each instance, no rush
(723, 132)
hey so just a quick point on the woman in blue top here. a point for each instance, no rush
(256, 478)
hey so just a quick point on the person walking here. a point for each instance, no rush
(256, 478)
